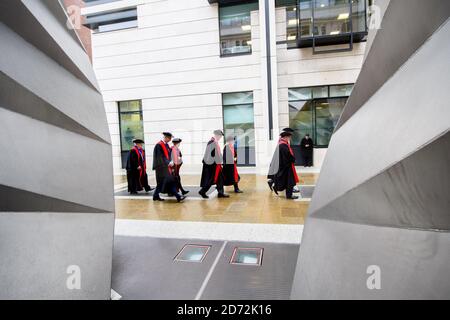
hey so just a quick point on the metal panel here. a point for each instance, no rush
(271, 280)
(382, 200)
(56, 183)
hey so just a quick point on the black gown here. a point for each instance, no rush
(230, 173)
(212, 168)
(283, 174)
(137, 179)
(163, 173)
(307, 152)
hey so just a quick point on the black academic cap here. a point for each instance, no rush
(167, 134)
(285, 134)
(138, 141)
(218, 133)
(176, 140)
(288, 130)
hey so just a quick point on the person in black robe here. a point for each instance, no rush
(212, 167)
(177, 159)
(163, 166)
(273, 168)
(307, 151)
(230, 173)
(137, 169)
(282, 169)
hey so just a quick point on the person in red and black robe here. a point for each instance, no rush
(230, 173)
(163, 166)
(137, 169)
(177, 159)
(212, 167)
(282, 170)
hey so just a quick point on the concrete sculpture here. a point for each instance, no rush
(379, 222)
(56, 184)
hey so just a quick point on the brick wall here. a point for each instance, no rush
(84, 33)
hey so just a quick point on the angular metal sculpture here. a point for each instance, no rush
(379, 222)
(56, 184)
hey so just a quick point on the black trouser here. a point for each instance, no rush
(289, 192)
(179, 185)
(219, 187)
(308, 158)
(173, 190)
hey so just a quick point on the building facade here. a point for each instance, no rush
(249, 67)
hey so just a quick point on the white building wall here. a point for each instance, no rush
(300, 68)
(172, 63)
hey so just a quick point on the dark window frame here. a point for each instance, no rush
(94, 21)
(313, 107)
(327, 40)
(227, 55)
(122, 152)
(239, 104)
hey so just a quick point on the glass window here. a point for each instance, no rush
(329, 21)
(131, 126)
(301, 119)
(300, 94)
(235, 28)
(90, 3)
(238, 119)
(320, 92)
(341, 91)
(112, 21)
(328, 112)
(316, 111)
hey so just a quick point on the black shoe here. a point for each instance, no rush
(204, 195)
(184, 192)
(180, 199)
(223, 195)
(149, 189)
(270, 183)
(238, 191)
(292, 198)
(158, 199)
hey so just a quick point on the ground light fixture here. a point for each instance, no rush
(192, 253)
(247, 256)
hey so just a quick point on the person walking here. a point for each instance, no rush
(136, 167)
(283, 173)
(177, 159)
(230, 172)
(212, 167)
(163, 166)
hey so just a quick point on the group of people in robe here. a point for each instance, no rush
(219, 167)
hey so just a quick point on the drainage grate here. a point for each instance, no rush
(247, 256)
(192, 253)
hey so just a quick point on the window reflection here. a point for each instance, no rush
(235, 28)
(316, 111)
(131, 125)
(325, 18)
(238, 118)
